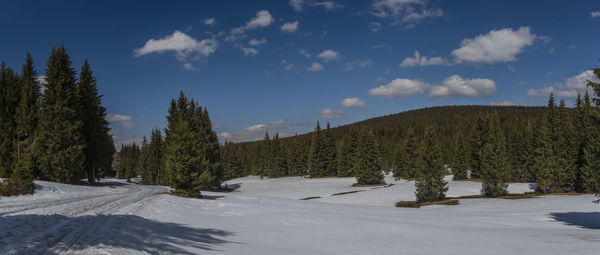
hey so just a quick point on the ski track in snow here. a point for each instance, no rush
(265, 216)
(45, 233)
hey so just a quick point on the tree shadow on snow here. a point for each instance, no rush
(108, 231)
(589, 220)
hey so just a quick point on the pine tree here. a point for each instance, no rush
(98, 151)
(366, 164)
(430, 184)
(494, 162)
(278, 164)
(231, 162)
(9, 99)
(317, 161)
(58, 143)
(26, 120)
(192, 152)
(329, 153)
(142, 164)
(477, 142)
(463, 159)
(566, 149)
(544, 163)
(591, 152)
(408, 158)
(266, 154)
(348, 154)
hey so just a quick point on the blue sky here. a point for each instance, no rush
(282, 65)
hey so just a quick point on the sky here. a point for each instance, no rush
(280, 66)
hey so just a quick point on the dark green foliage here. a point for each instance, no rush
(430, 184)
(16, 187)
(296, 159)
(278, 166)
(317, 164)
(544, 163)
(462, 162)
(347, 154)
(494, 162)
(192, 151)
(329, 153)
(129, 159)
(231, 163)
(153, 153)
(366, 163)
(407, 155)
(95, 131)
(59, 144)
(26, 119)
(9, 100)
(591, 151)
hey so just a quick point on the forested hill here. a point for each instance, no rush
(391, 130)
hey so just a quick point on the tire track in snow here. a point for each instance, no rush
(49, 234)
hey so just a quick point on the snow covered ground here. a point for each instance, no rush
(266, 216)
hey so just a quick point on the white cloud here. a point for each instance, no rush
(209, 21)
(186, 48)
(374, 26)
(304, 52)
(510, 67)
(263, 19)
(361, 64)
(328, 55)
(354, 102)
(280, 122)
(255, 42)
(330, 114)
(290, 27)
(315, 67)
(400, 88)
(251, 133)
(502, 103)
(419, 60)
(289, 67)
(300, 5)
(570, 88)
(496, 46)
(405, 13)
(123, 120)
(595, 14)
(457, 86)
(247, 50)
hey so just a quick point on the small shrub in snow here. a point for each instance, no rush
(15, 187)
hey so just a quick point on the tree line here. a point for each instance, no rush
(554, 146)
(53, 128)
(187, 158)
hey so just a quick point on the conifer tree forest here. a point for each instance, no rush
(57, 131)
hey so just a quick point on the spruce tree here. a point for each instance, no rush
(591, 152)
(408, 158)
(9, 100)
(233, 168)
(26, 120)
(58, 144)
(544, 163)
(266, 156)
(366, 164)
(278, 164)
(329, 153)
(317, 160)
(430, 184)
(463, 159)
(348, 154)
(566, 149)
(142, 164)
(98, 150)
(494, 162)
